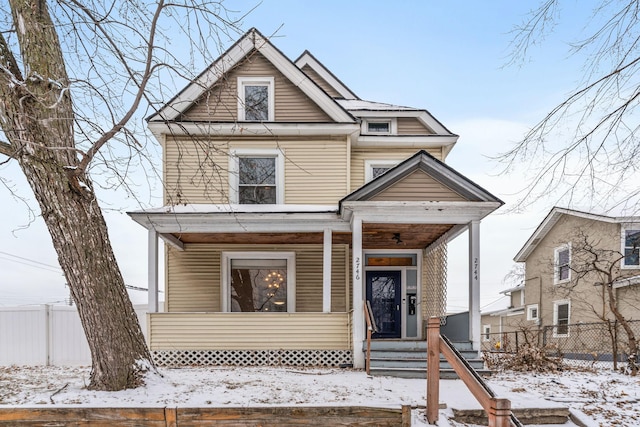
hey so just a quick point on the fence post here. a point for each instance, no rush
(499, 413)
(47, 334)
(433, 369)
(517, 343)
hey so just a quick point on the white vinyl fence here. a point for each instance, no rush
(46, 335)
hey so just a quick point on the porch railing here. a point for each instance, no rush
(498, 410)
(371, 327)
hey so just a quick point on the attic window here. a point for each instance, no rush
(374, 126)
(378, 127)
(255, 99)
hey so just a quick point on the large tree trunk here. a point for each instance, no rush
(36, 114)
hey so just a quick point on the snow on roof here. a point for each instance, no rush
(237, 208)
(360, 104)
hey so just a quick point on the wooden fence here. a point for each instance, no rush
(228, 417)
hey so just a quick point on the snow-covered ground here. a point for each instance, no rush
(603, 397)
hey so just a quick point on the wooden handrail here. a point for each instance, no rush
(371, 327)
(498, 410)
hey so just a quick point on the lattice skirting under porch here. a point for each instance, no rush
(325, 358)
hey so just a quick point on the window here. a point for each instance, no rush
(631, 247)
(532, 312)
(486, 332)
(562, 269)
(258, 282)
(381, 126)
(255, 177)
(255, 99)
(561, 313)
(375, 168)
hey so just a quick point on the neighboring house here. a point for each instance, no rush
(288, 202)
(559, 288)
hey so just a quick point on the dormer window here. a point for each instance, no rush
(379, 126)
(255, 99)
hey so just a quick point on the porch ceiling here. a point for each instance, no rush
(375, 236)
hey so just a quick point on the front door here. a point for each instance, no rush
(383, 293)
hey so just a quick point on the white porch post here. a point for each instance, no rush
(474, 284)
(358, 298)
(326, 271)
(153, 272)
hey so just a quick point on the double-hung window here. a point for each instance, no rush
(631, 247)
(562, 264)
(258, 282)
(561, 313)
(256, 177)
(256, 99)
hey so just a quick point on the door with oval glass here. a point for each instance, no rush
(384, 295)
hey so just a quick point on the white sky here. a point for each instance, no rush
(447, 57)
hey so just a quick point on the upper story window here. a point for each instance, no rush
(374, 126)
(631, 247)
(255, 99)
(562, 264)
(256, 177)
(375, 168)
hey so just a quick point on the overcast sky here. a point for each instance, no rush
(447, 57)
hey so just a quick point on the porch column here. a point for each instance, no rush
(358, 299)
(326, 271)
(474, 284)
(152, 264)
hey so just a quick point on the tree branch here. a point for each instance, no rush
(146, 75)
(7, 149)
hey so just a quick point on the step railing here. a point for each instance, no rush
(498, 410)
(371, 327)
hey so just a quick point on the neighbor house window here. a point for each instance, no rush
(631, 247)
(532, 312)
(256, 177)
(255, 99)
(486, 332)
(561, 313)
(562, 264)
(259, 282)
(375, 168)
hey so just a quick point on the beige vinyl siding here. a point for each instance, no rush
(193, 279)
(193, 276)
(361, 154)
(221, 102)
(249, 331)
(196, 171)
(418, 186)
(320, 81)
(412, 126)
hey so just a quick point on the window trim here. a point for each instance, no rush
(225, 276)
(256, 81)
(531, 307)
(556, 264)
(370, 164)
(623, 238)
(555, 317)
(393, 126)
(234, 171)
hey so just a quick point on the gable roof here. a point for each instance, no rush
(307, 59)
(433, 167)
(252, 40)
(550, 221)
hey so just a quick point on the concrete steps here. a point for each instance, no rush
(408, 359)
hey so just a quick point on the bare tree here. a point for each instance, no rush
(75, 78)
(597, 272)
(586, 147)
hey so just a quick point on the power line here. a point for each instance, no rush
(30, 260)
(57, 270)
